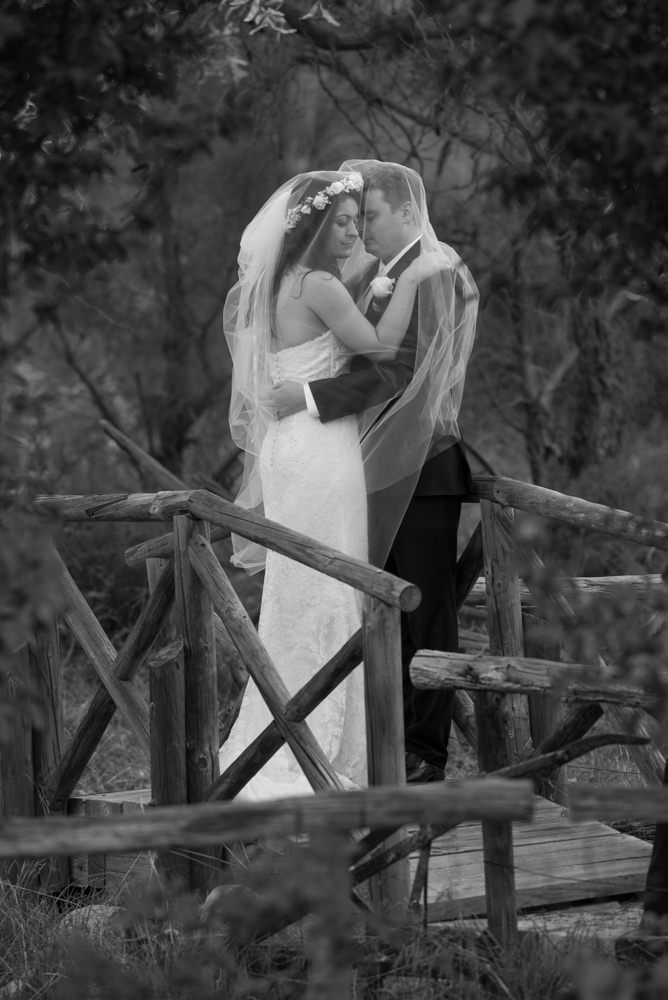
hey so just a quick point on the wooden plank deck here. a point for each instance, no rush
(557, 863)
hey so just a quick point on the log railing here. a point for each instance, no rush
(207, 606)
(512, 735)
(494, 687)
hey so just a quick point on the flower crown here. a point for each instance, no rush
(352, 181)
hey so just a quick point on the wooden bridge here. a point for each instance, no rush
(523, 705)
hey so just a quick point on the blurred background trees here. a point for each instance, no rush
(138, 139)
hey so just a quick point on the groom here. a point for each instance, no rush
(424, 550)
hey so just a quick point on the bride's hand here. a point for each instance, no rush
(427, 265)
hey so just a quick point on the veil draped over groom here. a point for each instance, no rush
(420, 392)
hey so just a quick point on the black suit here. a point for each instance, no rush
(424, 550)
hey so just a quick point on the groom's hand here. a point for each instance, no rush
(288, 398)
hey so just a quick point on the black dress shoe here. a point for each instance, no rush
(423, 772)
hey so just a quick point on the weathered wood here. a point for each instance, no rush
(558, 862)
(648, 758)
(166, 654)
(116, 506)
(612, 802)
(371, 858)
(381, 635)
(228, 652)
(572, 510)
(48, 737)
(200, 824)
(305, 550)
(503, 731)
(205, 505)
(101, 707)
(168, 732)
(193, 612)
(544, 709)
(419, 887)
(112, 871)
(101, 653)
(579, 586)
(47, 740)
(251, 760)
(163, 546)
(303, 744)
(194, 617)
(572, 726)
(504, 613)
(469, 567)
(463, 716)
(17, 781)
(507, 675)
(301, 704)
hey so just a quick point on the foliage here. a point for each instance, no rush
(166, 945)
(596, 79)
(544, 159)
(75, 80)
(585, 92)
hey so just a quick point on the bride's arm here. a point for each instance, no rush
(332, 303)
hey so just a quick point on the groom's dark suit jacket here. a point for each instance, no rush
(368, 384)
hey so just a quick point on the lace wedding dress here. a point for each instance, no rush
(313, 482)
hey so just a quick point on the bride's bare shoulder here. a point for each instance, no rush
(317, 283)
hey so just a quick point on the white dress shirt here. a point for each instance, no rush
(382, 270)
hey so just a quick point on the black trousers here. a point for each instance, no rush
(655, 899)
(425, 553)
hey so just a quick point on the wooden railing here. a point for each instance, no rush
(517, 718)
(206, 605)
(510, 720)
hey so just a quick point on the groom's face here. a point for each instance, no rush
(383, 228)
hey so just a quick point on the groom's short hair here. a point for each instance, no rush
(396, 183)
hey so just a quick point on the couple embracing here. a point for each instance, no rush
(350, 329)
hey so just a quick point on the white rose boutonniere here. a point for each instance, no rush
(381, 286)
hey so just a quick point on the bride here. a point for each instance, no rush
(291, 316)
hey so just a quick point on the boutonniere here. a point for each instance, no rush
(381, 286)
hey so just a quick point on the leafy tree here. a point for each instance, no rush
(76, 81)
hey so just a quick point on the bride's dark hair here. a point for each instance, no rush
(305, 242)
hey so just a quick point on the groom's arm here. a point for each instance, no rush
(365, 385)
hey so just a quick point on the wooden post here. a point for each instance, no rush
(496, 746)
(16, 760)
(544, 709)
(47, 741)
(168, 736)
(381, 632)
(194, 613)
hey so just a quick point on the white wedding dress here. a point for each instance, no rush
(313, 482)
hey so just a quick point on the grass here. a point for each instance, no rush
(164, 947)
(118, 763)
